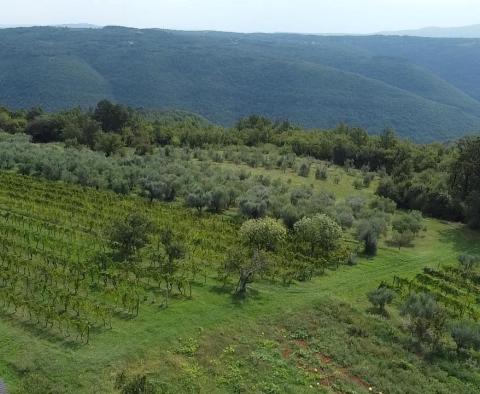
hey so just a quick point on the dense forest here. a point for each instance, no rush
(427, 89)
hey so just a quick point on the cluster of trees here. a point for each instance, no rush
(439, 180)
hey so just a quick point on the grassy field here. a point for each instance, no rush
(277, 340)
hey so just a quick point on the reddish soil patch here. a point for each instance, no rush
(301, 343)
(324, 358)
(286, 353)
(355, 379)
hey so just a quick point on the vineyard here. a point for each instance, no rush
(456, 289)
(54, 267)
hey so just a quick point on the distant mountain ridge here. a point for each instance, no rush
(411, 84)
(471, 31)
(66, 25)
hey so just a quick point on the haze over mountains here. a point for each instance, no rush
(472, 31)
(427, 89)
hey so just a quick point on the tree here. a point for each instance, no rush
(468, 262)
(197, 199)
(321, 173)
(108, 143)
(46, 128)
(304, 170)
(403, 239)
(426, 318)
(218, 200)
(411, 222)
(381, 297)
(259, 236)
(128, 235)
(465, 177)
(168, 260)
(370, 229)
(112, 117)
(254, 203)
(262, 234)
(321, 233)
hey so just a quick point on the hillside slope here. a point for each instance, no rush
(373, 82)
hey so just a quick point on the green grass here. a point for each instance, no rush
(152, 343)
(343, 189)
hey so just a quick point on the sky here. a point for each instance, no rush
(300, 16)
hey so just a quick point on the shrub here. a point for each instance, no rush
(304, 170)
(321, 233)
(466, 336)
(426, 318)
(263, 234)
(321, 173)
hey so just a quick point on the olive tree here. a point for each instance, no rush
(197, 199)
(321, 233)
(426, 318)
(258, 236)
(381, 297)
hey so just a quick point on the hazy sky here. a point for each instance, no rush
(309, 16)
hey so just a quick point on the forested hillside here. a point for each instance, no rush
(427, 89)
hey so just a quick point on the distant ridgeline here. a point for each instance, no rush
(427, 89)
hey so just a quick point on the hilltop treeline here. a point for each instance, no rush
(441, 180)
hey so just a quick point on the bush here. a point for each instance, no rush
(321, 233)
(263, 234)
(466, 336)
(136, 384)
(426, 318)
(218, 200)
(321, 173)
(402, 239)
(304, 170)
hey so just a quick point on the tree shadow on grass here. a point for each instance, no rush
(251, 294)
(461, 239)
(378, 312)
(38, 330)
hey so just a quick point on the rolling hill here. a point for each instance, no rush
(427, 89)
(472, 31)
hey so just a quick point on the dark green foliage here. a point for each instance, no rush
(45, 129)
(465, 178)
(112, 117)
